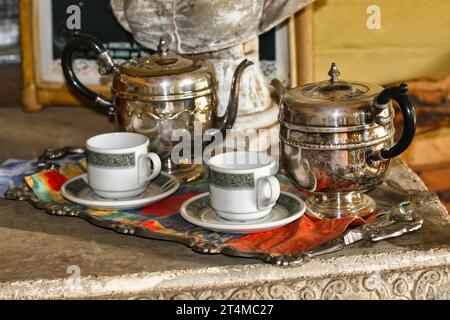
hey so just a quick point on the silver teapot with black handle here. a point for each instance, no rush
(337, 139)
(156, 95)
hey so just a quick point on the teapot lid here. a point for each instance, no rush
(333, 89)
(160, 64)
(330, 103)
(164, 77)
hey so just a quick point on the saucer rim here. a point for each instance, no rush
(228, 228)
(118, 204)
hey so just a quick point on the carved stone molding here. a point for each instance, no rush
(404, 285)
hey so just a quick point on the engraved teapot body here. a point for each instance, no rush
(337, 139)
(157, 95)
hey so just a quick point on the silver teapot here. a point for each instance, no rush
(337, 139)
(156, 95)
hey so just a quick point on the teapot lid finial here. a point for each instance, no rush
(163, 47)
(334, 73)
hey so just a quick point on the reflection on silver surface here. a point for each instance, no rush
(167, 93)
(328, 132)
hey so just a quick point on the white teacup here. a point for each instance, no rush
(242, 185)
(118, 164)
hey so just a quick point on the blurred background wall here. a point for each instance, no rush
(413, 41)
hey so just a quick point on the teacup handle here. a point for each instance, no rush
(268, 189)
(156, 164)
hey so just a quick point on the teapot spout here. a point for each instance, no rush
(279, 88)
(227, 120)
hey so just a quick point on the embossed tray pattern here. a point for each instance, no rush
(397, 215)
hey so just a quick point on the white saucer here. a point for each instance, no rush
(77, 190)
(197, 210)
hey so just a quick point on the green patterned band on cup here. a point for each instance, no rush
(76, 186)
(199, 205)
(289, 203)
(114, 161)
(232, 181)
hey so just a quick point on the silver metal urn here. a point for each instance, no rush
(337, 139)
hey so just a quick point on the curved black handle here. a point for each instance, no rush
(398, 94)
(77, 42)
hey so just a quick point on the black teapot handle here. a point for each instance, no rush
(397, 93)
(106, 66)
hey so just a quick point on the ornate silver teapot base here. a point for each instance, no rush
(340, 205)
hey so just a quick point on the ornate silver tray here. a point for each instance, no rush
(400, 216)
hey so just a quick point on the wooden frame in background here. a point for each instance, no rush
(302, 46)
(38, 92)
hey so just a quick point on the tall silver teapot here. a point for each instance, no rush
(337, 139)
(156, 95)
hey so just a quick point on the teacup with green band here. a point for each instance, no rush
(119, 164)
(242, 185)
